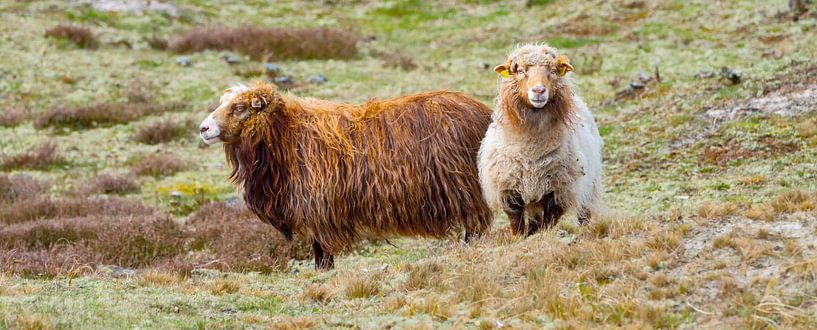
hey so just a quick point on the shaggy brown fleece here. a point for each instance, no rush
(337, 173)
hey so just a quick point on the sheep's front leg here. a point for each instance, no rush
(514, 207)
(323, 259)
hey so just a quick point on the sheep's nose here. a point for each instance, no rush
(538, 89)
(204, 128)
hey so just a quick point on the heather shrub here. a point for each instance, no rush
(164, 130)
(80, 36)
(20, 187)
(158, 165)
(102, 115)
(115, 184)
(234, 239)
(270, 43)
(42, 157)
(11, 117)
(36, 208)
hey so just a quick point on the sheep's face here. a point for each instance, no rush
(237, 108)
(534, 74)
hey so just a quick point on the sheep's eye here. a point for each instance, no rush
(520, 71)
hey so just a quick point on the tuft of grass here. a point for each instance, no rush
(319, 293)
(160, 278)
(115, 184)
(159, 165)
(714, 210)
(78, 35)
(223, 286)
(361, 286)
(41, 158)
(395, 60)
(102, 115)
(164, 130)
(271, 43)
(424, 275)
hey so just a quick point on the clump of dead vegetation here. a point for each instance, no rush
(80, 36)
(115, 184)
(163, 164)
(164, 130)
(395, 60)
(40, 158)
(76, 236)
(270, 43)
(102, 115)
(12, 116)
(231, 238)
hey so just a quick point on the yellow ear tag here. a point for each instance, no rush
(562, 70)
(505, 73)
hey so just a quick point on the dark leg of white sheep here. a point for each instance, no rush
(323, 260)
(514, 207)
(544, 213)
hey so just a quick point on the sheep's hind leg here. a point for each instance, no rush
(323, 259)
(514, 207)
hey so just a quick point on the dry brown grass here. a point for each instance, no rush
(223, 286)
(357, 286)
(80, 36)
(159, 278)
(31, 322)
(102, 115)
(164, 130)
(395, 60)
(20, 187)
(715, 210)
(159, 165)
(36, 208)
(115, 184)
(319, 293)
(424, 275)
(293, 323)
(42, 157)
(269, 44)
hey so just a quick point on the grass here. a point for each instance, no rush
(678, 181)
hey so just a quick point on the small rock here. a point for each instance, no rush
(733, 76)
(704, 74)
(485, 66)
(272, 69)
(284, 81)
(184, 61)
(204, 273)
(176, 194)
(116, 271)
(234, 202)
(637, 85)
(643, 76)
(318, 79)
(231, 59)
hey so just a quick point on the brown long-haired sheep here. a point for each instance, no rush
(542, 155)
(334, 174)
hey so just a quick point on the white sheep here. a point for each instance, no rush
(541, 156)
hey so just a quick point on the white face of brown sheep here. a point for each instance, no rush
(225, 123)
(535, 73)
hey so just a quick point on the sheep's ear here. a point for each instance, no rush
(563, 65)
(257, 103)
(503, 70)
